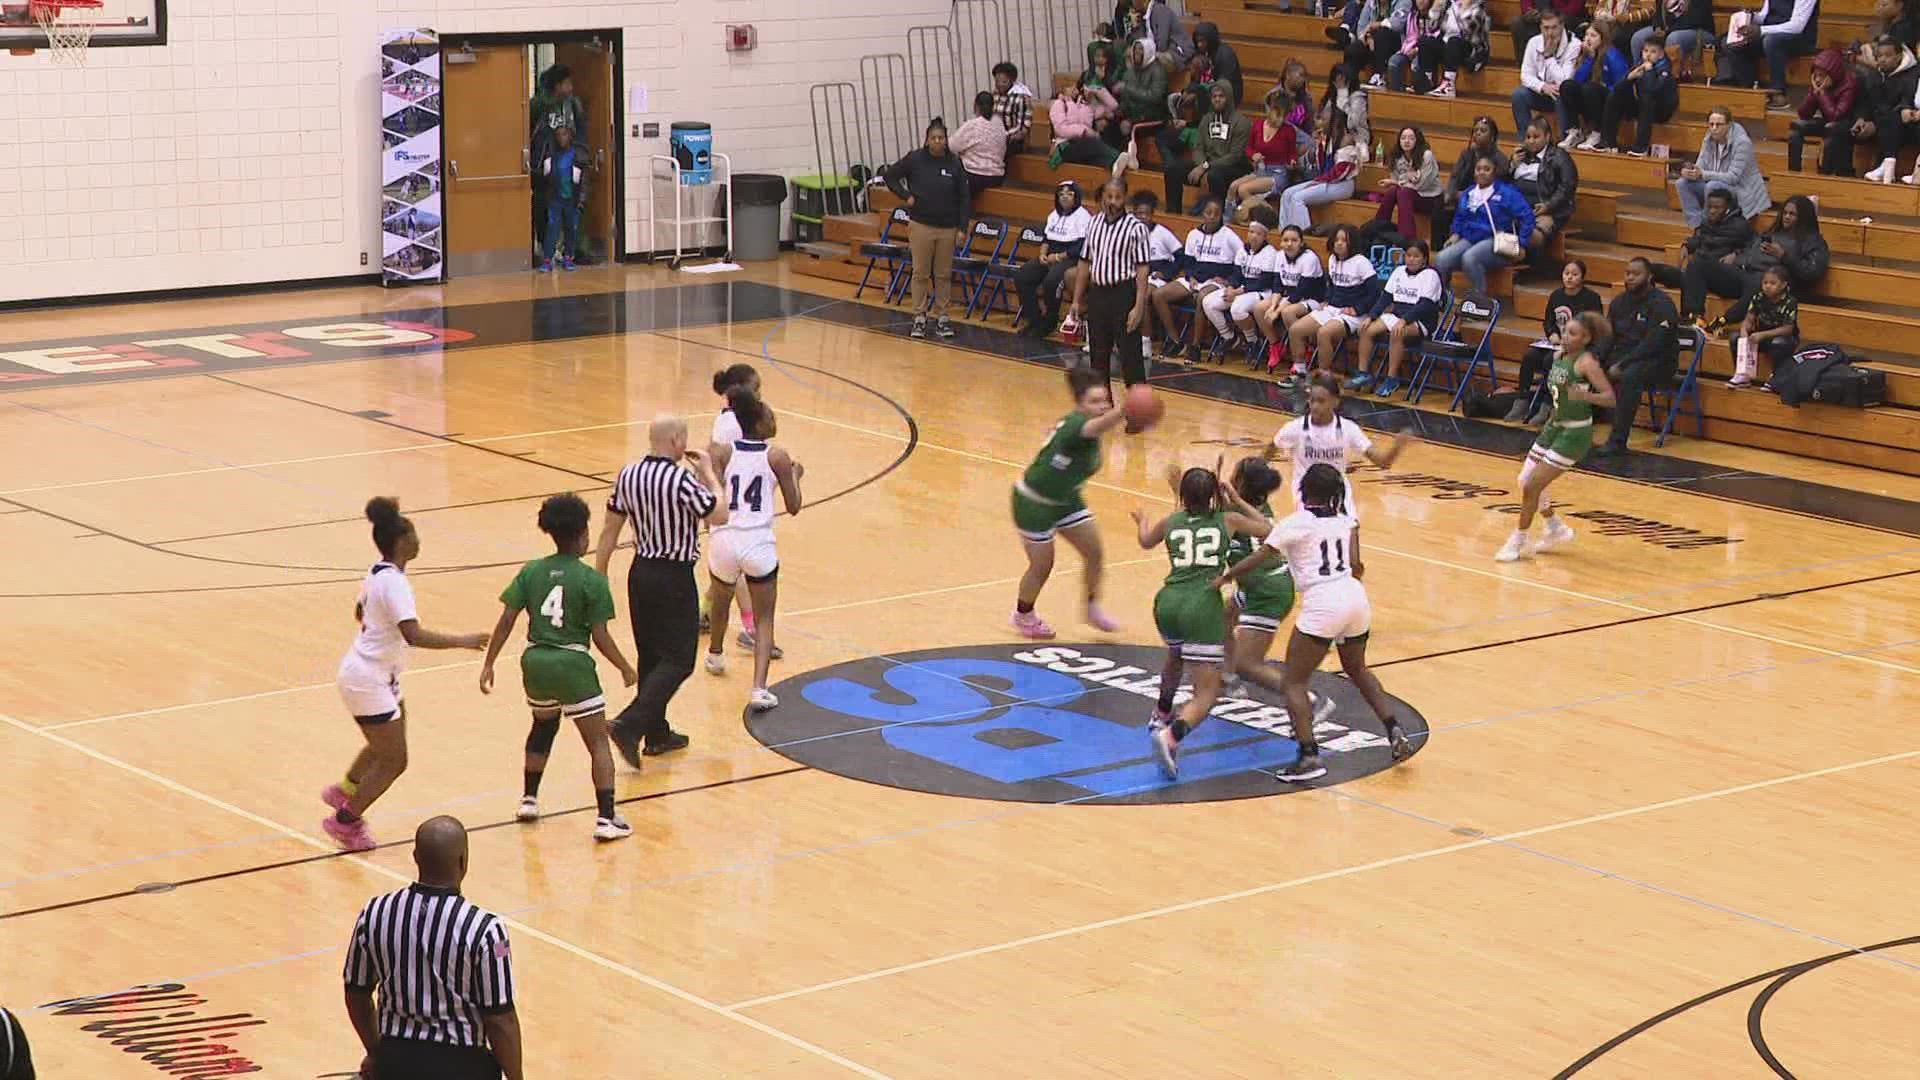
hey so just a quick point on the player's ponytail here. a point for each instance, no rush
(389, 526)
(752, 413)
(729, 377)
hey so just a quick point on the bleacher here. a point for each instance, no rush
(1869, 301)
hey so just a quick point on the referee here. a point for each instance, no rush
(666, 503)
(443, 971)
(1116, 255)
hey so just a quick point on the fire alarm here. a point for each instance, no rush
(741, 38)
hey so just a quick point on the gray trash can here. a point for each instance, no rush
(756, 216)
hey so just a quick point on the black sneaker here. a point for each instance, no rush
(666, 743)
(919, 328)
(942, 327)
(627, 743)
(1306, 767)
(1193, 354)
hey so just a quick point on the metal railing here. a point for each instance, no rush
(886, 107)
(840, 147)
(935, 87)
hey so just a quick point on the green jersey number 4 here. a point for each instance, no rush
(554, 607)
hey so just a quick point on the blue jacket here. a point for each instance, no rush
(1613, 67)
(1510, 212)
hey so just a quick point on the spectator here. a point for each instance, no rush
(1142, 95)
(1794, 243)
(1272, 147)
(1297, 100)
(1411, 187)
(1726, 160)
(1896, 19)
(443, 972)
(1565, 304)
(16, 1057)
(1645, 352)
(1648, 93)
(1548, 62)
(1220, 157)
(1104, 72)
(1783, 30)
(1075, 139)
(1489, 207)
(1040, 278)
(1171, 41)
(1406, 311)
(1686, 25)
(1827, 112)
(1533, 21)
(1422, 48)
(1222, 62)
(1712, 253)
(554, 107)
(1583, 97)
(934, 185)
(1211, 260)
(1012, 105)
(1548, 178)
(1624, 18)
(1484, 141)
(565, 181)
(1344, 105)
(1339, 165)
(1466, 33)
(1179, 137)
(1771, 327)
(1382, 29)
(981, 143)
(1889, 116)
(1103, 61)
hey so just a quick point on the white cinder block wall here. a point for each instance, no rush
(247, 148)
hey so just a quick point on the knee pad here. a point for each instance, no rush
(541, 735)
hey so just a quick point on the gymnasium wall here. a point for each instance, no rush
(246, 149)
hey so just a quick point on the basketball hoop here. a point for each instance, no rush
(67, 37)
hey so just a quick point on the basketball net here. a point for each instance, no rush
(67, 39)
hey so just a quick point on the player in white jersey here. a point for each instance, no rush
(1323, 436)
(1322, 546)
(369, 676)
(726, 429)
(743, 548)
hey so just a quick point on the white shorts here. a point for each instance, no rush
(371, 694)
(1337, 611)
(1244, 304)
(1324, 315)
(742, 551)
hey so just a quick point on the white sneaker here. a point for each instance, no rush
(1591, 142)
(1376, 82)
(1445, 89)
(613, 828)
(1165, 749)
(1912, 177)
(1572, 140)
(1883, 174)
(529, 809)
(1513, 550)
(762, 699)
(1558, 534)
(716, 663)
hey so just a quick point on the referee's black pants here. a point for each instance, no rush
(664, 603)
(417, 1059)
(1107, 310)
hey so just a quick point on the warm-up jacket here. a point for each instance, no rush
(1643, 329)
(1558, 180)
(937, 186)
(1712, 241)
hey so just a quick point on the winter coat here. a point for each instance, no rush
(1732, 164)
(1559, 178)
(1837, 103)
(982, 145)
(1143, 93)
(1710, 241)
(1071, 119)
(1806, 256)
(1510, 211)
(1225, 62)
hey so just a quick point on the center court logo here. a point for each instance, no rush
(1054, 724)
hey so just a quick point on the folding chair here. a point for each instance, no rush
(970, 269)
(1449, 349)
(1000, 274)
(897, 256)
(1442, 331)
(1683, 396)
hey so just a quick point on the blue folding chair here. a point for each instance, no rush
(1449, 350)
(969, 266)
(1442, 330)
(897, 256)
(1000, 274)
(1683, 396)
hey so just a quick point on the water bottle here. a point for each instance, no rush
(1379, 151)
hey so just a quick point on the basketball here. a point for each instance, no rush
(1143, 407)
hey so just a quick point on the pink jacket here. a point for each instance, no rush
(1071, 119)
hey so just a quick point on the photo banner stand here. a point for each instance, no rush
(412, 183)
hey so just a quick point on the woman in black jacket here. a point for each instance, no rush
(934, 185)
(1547, 176)
(1793, 244)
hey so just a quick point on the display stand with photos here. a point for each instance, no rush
(412, 214)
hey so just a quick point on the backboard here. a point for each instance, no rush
(116, 22)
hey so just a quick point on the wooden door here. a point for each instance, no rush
(592, 67)
(489, 192)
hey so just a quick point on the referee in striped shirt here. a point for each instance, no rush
(666, 503)
(1116, 254)
(443, 971)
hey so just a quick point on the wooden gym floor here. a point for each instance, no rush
(1645, 782)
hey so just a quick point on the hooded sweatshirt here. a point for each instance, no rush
(1226, 62)
(1837, 103)
(1732, 163)
(1223, 137)
(1170, 38)
(1143, 90)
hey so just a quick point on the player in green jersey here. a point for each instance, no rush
(1577, 383)
(568, 604)
(1188, 610)
(1047, 500)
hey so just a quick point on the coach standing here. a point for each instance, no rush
(444, 973)
(666, 504)
(1116, 255)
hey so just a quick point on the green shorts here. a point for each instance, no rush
(1265, 598)
(1193, 620)
(561, 678)
(1562, 446)
(1037, 520)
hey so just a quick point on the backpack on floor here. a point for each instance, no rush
(1850, 384)
(1797, 381)
(1485, 406)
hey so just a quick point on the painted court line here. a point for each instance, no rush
(523, 929)
(1309, 879)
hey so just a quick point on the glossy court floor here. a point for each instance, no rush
(1662, 827)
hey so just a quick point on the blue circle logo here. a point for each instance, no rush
(1055, 724)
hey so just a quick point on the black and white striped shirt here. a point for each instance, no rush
(438, 961)
(666, 504)
(1115, 249)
